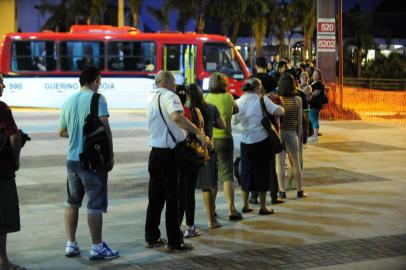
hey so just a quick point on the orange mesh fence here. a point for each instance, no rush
(380, 106)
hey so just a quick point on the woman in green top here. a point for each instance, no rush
(222, 138)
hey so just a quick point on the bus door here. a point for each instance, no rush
(180, 59)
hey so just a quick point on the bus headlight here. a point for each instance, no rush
(205, 84)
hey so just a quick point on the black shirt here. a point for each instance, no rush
(268, 82)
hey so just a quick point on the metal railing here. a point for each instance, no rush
(372, 105)
(372, 83)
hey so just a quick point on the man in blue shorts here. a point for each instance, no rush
(80, 181)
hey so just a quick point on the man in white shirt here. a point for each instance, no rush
(163, 182)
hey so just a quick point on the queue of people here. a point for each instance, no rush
(207, 117)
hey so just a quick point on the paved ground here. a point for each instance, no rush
(354, 218)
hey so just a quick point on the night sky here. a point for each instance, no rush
(29, 21)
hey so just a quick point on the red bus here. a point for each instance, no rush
(42, 69)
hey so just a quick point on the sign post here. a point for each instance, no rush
(326, 39)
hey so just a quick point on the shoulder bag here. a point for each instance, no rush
(188, 152)
(275, 142)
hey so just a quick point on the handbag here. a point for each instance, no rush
(275, 142)
(319, 100)
(188, 152)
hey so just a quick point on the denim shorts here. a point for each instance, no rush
(81, 182)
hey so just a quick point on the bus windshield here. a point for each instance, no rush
(221, 58)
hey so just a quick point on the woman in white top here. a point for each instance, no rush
(255, 145)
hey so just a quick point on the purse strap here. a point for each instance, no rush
(264, 111)
(163, 118)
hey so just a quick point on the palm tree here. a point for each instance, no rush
(135, 7)
(161, 15)
(358, 34)
(257, 11)
(97, 9)
(57, 21)
(305, 11)
(279, 25)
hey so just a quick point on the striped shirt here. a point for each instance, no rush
(291, 106)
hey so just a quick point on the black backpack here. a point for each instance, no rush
(96, 153)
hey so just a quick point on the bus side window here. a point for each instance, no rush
(131, 56)
(33, 56)
(75, 55)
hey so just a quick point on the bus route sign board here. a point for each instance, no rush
(326, 43)
(326, 26)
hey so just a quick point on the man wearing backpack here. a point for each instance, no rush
(92, 183)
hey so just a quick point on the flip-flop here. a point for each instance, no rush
(246, 210)
(235, 217)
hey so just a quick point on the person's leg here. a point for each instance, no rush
(245, 195)
(95, 222)
(224, 149)
(281, 170)
(75, 193)
(156, 197)
(314, 119)
(9, 219)
(274, 181)
(207, 196)
(71, 223)
(3, 250)
(229, 194)
(182, 191)
(262, 201)
(190, 196)
(293, 150)
(170, 183)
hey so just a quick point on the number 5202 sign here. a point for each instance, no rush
(326, 43)
(326, 35)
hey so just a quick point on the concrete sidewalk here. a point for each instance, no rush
(354, 217)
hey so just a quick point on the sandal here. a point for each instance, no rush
(264, 212)
(214, 225)
(246, 210)
(235, 217)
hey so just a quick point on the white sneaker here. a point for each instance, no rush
(312, 139)
(72, 250)
(103, 252)
(192, 232)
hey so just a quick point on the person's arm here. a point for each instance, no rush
(315, 92)
(63, 132)
(184, 123)
(299, 126)
(272, 108)
(235, 108)
(105, 121)
(220, 123)
(15, 145)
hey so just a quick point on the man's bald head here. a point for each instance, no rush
(165, 79)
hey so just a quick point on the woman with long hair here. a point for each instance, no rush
(208, 174)
(315, 107)
(290, 134)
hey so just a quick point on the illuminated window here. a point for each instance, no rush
(33, 56)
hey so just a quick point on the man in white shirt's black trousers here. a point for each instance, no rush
(163, 182)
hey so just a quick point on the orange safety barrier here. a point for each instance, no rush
(380, 106)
